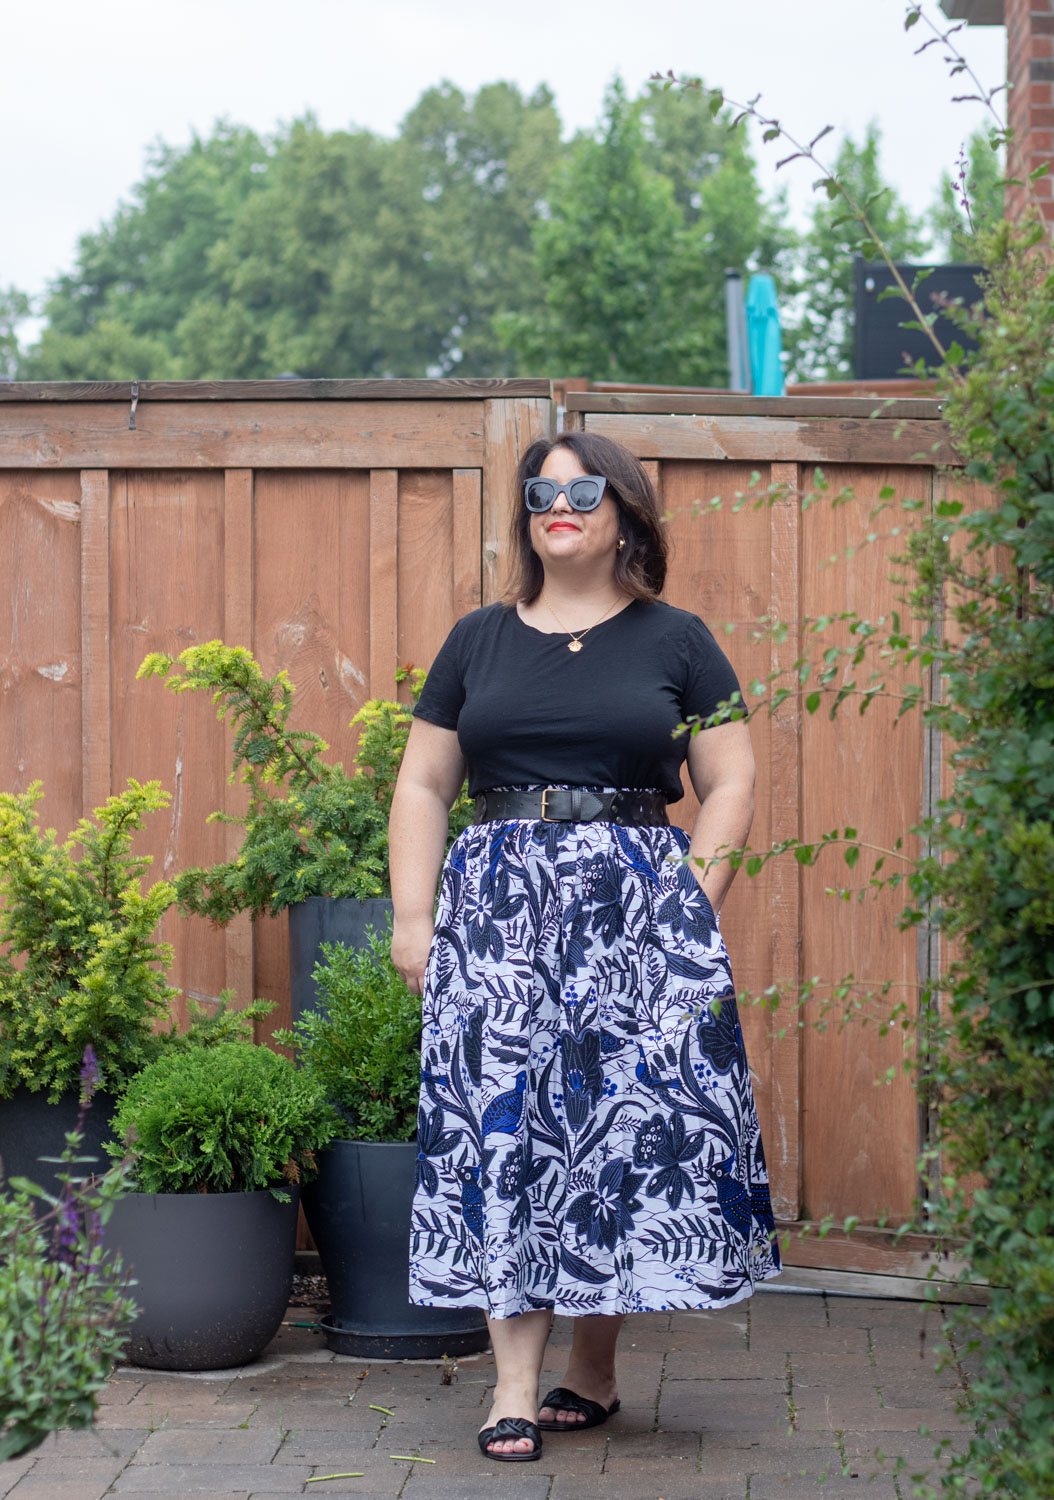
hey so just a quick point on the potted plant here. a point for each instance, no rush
(80, 965)
(220, 1139)
(362, 1047)
(316, 837)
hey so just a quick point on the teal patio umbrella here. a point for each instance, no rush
(763, 336)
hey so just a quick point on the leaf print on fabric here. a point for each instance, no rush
(473, 1050)
(432, 1140)
(574, 946)
(583, 1078)
(516, 1176)
(649, 1138)
(605, 1216)
(581, 1019)
(602, 892)
(687, 909)
(720, 1034)
(675, 1148)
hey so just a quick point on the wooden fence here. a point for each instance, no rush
(338, 528)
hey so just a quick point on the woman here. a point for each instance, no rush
(588, 1138)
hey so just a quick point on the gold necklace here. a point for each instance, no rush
(575, 643)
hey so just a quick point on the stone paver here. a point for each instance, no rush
(789, 1395)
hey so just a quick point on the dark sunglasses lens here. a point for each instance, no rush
(539, 494)
(585, 494)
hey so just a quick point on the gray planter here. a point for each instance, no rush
(358, 1210)
(326, 919)
(31, 1128)
(213, 1274)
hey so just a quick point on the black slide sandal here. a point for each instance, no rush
(511, 1427)
(562, 1399)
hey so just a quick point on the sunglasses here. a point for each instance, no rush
(584, 493)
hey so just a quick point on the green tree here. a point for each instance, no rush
(14, 309)
(326, 253)
(643, 218)
(365, 257)
(115, 315)
(956, 227)
(818, 331)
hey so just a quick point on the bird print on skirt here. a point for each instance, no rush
(588, 1139)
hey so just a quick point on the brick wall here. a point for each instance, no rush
(1030, 73)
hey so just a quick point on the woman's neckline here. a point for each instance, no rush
(566, 634)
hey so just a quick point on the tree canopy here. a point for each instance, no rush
(644, 217)
(475, 242)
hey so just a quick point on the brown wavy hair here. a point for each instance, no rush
(640, 567)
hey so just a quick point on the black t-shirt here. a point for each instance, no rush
(529, 712)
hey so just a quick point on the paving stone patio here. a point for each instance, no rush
(779, 1397)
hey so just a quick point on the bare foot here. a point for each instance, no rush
(511, 1402)
(593, 1384)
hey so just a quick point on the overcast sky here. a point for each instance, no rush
(87, 87)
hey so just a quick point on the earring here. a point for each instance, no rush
(621, 543)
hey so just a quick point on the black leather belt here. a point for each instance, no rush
(576, 804)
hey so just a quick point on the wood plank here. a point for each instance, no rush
(868, 1249)
(508, 428)
(450, 389)
(426, 564)
(166, 593)
(784, 777)
(246, 434)
(468, 523)
(95, 637)
(807, 1279)
(864, 771)
(384, 563)
(704, 403)
(237, 631)
(40, 641)
(720, 569)
(774, 440)
(310, 599)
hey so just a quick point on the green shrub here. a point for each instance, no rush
(311, 829)
(228, 1119)
(363, 1044)
(79, 960)
(64, 1307)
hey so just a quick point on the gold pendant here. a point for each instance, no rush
(574, 645)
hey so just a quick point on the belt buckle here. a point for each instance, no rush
(545, 793)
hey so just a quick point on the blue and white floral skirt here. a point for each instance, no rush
(587, 1137)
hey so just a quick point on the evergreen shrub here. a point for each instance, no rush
(362, 1045)
(230, 1119)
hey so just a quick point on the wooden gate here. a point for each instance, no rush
(338, 528)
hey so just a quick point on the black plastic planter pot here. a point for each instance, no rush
(213, 1273)
(30, 1128)
(326, 919)
(358, 1210)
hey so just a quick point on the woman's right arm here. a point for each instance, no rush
(430, 778)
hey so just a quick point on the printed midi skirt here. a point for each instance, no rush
(587, 1134)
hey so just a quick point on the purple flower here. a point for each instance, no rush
(89, 1074)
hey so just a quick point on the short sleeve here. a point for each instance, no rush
(709, 679)
(443, 694)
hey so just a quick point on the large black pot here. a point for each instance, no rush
(358, 1210)
(213, 1273)
(326, 919)
(31, 1128)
